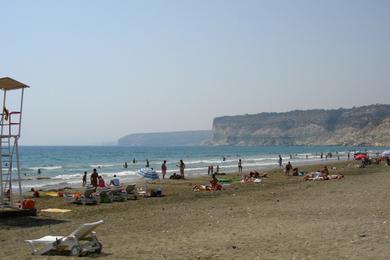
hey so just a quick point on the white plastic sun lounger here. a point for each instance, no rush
(81, 241)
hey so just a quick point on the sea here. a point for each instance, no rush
(53, 167)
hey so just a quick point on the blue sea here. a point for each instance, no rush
(63, 166)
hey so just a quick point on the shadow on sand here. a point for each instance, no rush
(29, 222)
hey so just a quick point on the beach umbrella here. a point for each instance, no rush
(360, 156)
(148, 173)
(386, 153)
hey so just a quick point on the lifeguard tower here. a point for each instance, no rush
(10, 125)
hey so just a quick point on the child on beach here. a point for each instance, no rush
(85, 179)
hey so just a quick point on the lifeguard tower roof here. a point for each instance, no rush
(7, 83)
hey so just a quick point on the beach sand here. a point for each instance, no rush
(283, 218)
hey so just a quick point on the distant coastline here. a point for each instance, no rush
(357, 126)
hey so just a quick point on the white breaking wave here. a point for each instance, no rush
(67, 176)
(101, 165)
(46, 168)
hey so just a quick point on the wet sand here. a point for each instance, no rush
(282, 218)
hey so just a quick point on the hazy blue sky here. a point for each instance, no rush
(102, 69)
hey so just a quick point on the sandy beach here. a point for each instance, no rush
(282, 218)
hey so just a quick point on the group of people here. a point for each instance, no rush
(253, 177)
(322, 174)
(97, 180)
(210, 170)
(214, 185)
(181, 166)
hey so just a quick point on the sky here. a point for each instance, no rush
(99, 70)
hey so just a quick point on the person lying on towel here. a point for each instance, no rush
(214, 185)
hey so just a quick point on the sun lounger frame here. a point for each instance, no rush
(81, 241)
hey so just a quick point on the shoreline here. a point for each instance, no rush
(284, 217)
(66, 165)
(301, 163)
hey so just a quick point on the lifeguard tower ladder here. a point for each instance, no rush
(10, 126)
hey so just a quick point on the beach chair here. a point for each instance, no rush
(118, 194)
(81, 241)
(88, 198)
(131, 192)
(106, 195)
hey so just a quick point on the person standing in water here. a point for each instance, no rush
(164, 169)
(239, 166)
(147, 163)
(85, 179)
(280, 161)
(125, 165)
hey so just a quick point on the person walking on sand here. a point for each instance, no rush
(85, 179)
(239, 166)
(94, 178)
(182, 166)
(164, 169)
(288, 168)
(280, 161)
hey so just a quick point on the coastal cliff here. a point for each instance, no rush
(366, 125)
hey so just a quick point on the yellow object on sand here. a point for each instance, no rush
(54, 210)
(51, 193)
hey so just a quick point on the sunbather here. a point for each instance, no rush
(175, 176)
(35, 193)
(325, 170)
(248, 179)
(101, 183)
(202, 188)
(115, 182)
(215, 184)
(256, 175)
(321, 176)
(336, 176)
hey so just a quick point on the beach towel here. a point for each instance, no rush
(51, 193)
(55, 210)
